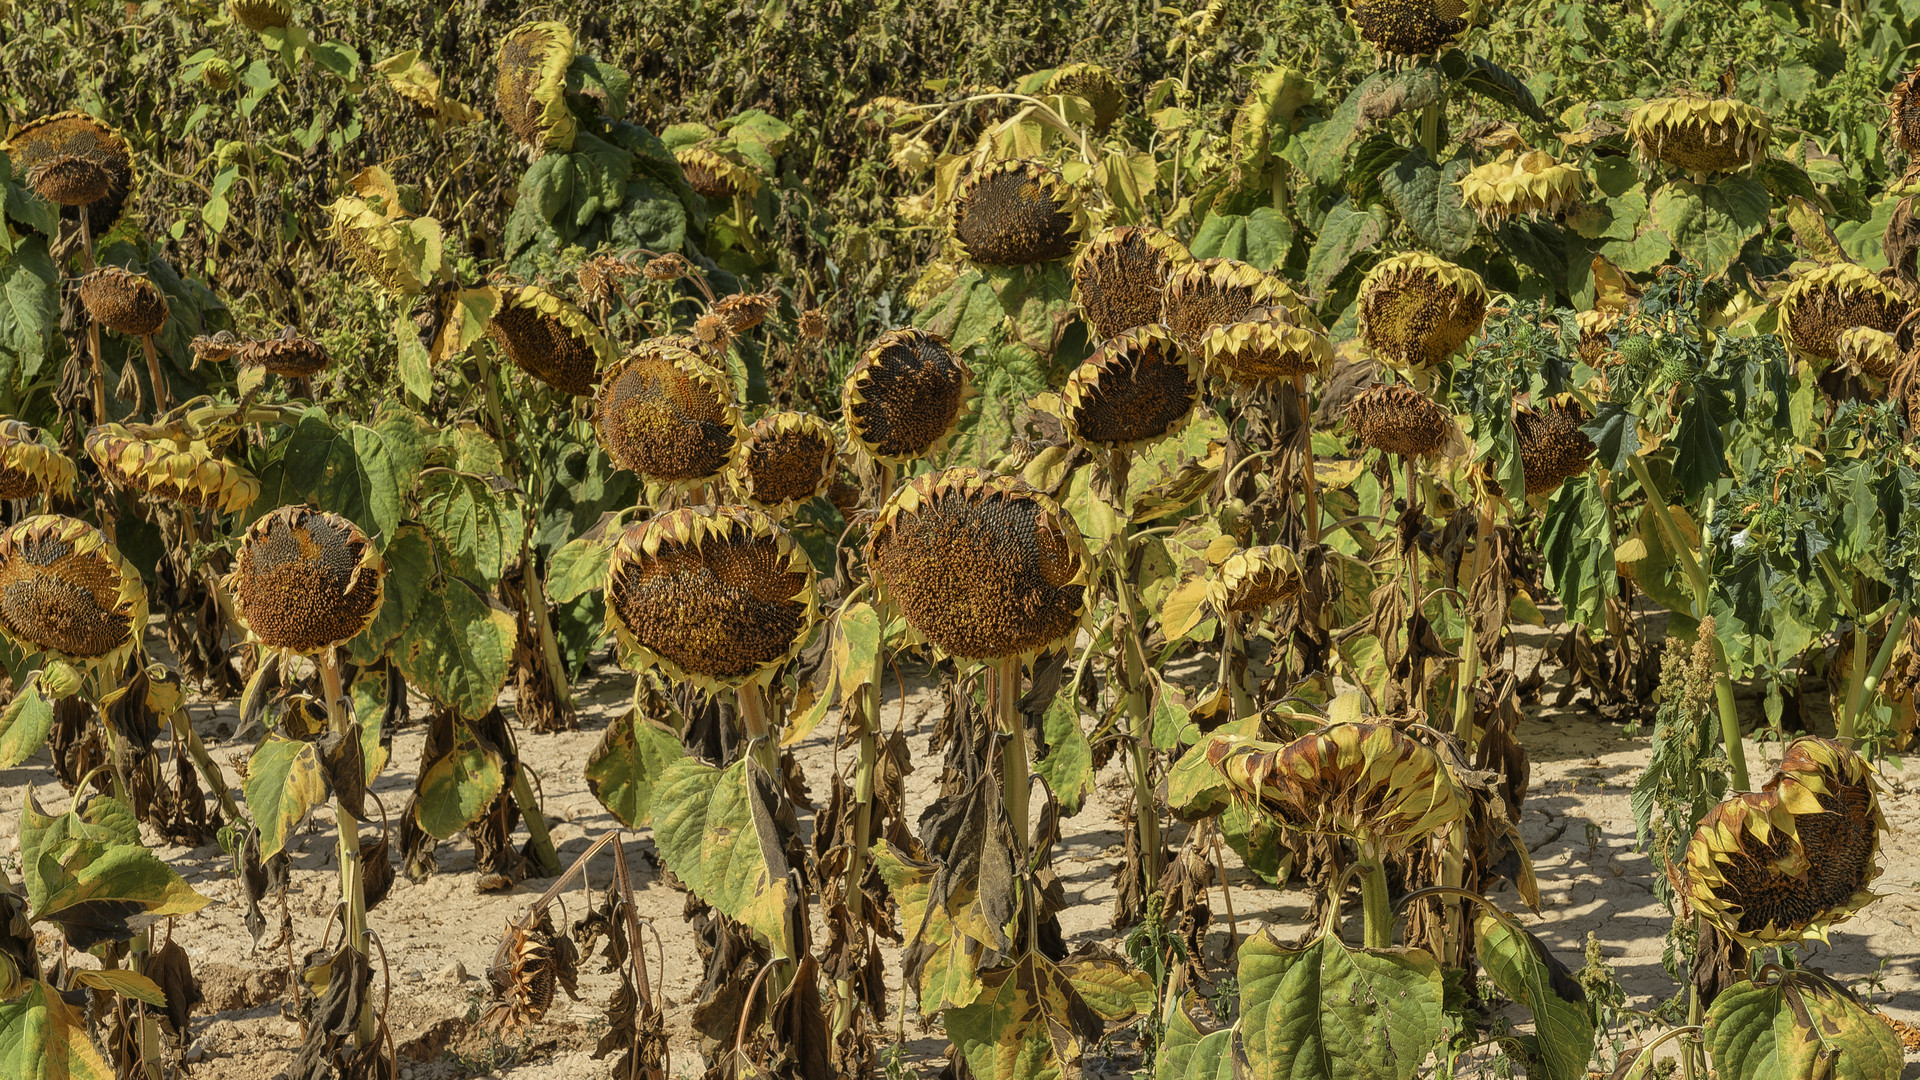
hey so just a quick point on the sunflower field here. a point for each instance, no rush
(995, 540)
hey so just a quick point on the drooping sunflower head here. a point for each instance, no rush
(28, 466)
(1120, 276)
(1417, 310)
(715, 173)
(1596, 334)
(1397, 419)
(1826, 301)
(306, 580)
(123, 301)
(1016, 213)
(530, 88)
(1268, 344)
(375, 245)
(664, 413)
(1553, 449)
(718, 597)
(1135, 390)
(1904, 112)
(603, 277)
(984, 567)
(1866, 350)
(1095, 84)
(65, 591)
(787, 458)
(1209, 293)
(1529, 184)
(1411, 27)
(169, 464)
(289, 355)
(1791, 860)
(75, 161)
(1369, 782)
(904, 397)
(1253, 579)
(745, 311)
(1700, 135)
(258, 15)
(550, 339)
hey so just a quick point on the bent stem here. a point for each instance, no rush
(1870, 681)
(353, 895)
(1697, 579)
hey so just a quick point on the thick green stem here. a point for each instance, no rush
(353, 895)
(1133, 662)
(1310, 488)
(162, 401)
(529, 804)
(1014, 775)
(1863, 688)
(1376, 908)
(1702, 602)
(1430, 131)
(1230, 648)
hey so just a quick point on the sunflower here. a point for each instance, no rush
(663, 412)
(28, 466)
(530, 87)
(66, 592)
(169, 464)
(1826, 301)
(306, 580)
(123, 302)
(1700, 135)
(905, 396)
(1135, 390)
(1528, 184)
(1417, 310)
(1397, 419)
(1016, 213)
(550, 339)
(77, 162)
(1120, 275)
(787, 459)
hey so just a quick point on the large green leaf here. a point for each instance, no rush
(949, 974)
(1710, 224)
(580, 567)
(722, 842)
(1067, 766)
(458, 648)
(25, 724)
(481, 527)
(1029, 1023)
(1344, 234)
(1426, 194)
(88, 873)
(1187, 1053)
(966, 314)
(1562, 1024)
(19, 203)
(1327, 1012)
(284, 781)
(44, 1038)
(624, 769)
(29, 307)
(411, 569)
(456, 788)
(1260, 237)
(359, 472)
(1799, 1025)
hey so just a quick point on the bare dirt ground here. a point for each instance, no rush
(439, 936)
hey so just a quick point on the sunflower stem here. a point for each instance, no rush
(1430, 131)
(1896, 629)
(1463, 727)
(1376, 907)
(531, 583)
(162, 401)
(353, 895)
(1309, 486)
(529, 804)
(1014, 779)
(1416, 671)
(1133, 663)
(209, 770)
(1697, 578)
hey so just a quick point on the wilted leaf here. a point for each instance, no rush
(1029, 1023)
(284, 782)
(1801, 1025)
(89, 874)
(1068, 765)
(711, 837)
(25, 724)
(948, 975)
(44, 1038)
(1523, 970)
(623, 771)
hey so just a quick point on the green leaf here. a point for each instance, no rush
(1327, 1012)
(1114, 990)
(966, 314)
(1186, 1053)
(948, 975)
(368, 695)
(856, 647)
(25, 725)
(580, 567)
(458, 648)
(416, 367)
(1427, 196)
(1488, 79)
(1029, 1023)
(723, 844)
(389, 457)
(361, 473)
(1562, 1024)
(1800, 1026)
(1700, 441)
(84, 873)
(1343, 235)
(456, 788)
(44, 1038)
(481, 527)
(411, 569)
(20, 204)
(1068, 765)
(128, 984)
(284, 782)
(29, 305)
(1616, 436)
(1711, 224)
(624, 769)
(1261, 237)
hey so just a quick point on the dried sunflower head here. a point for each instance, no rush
(28, 466)
(1596, 330)
(1416, 310)
(123, 301)
(603, 277)
(1135, 390)
(787, 459)
(1789, 861)
(1369, 782)
(1120, 276)
(289, 356)
(669, 267)
(813, 325)
(1904, 112)
(65, 591)
(76, 161)
(984, 567)
(1210, 293)
(904, 397)
(1253, 579)
(713, 333)
(745, 311)
(533, 960)
(530, 88)
(1867, 351)
(1097, 86)
(1553, 449)
(258, 15)
(1529, 184)
(306, 580)
(376, 245)
(1016, 213)
(715, 173)
(664, 413)
(169, 464)
(1700, 135)
(717, 597)
(550, 339)
(1397, 419)
(1268, 344)
(1827, 300)
(1411, 27)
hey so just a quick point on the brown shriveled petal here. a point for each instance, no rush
(1367, 781)
(289, 356)
(1553, 449)
(745, 311)
(1398, 419)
